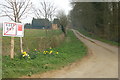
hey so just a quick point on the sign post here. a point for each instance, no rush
(13, 30)
(12, 48)
(21, 45)
(20, 29)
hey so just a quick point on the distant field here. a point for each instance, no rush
(41, 32)
(33, 39)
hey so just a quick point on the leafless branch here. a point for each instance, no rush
(16, 9)
(46, 10)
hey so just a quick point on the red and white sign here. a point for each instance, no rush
(13, 29)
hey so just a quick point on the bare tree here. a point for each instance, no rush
(15, 9)
(46, 10)
(63, 20)
(36, 12)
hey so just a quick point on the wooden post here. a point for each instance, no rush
(12, 48)
(21, 48)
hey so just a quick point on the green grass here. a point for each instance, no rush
(98, 38)
(33, 39)
(41, 33)
(71, 50)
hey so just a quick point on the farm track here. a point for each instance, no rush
(101, 62)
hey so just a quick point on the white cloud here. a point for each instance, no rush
(63, 4)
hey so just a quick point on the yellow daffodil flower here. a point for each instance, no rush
(24, 53)
(50, 52)
(56, 52)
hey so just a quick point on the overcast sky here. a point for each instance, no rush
(60, 4)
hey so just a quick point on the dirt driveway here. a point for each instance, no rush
(101, 62)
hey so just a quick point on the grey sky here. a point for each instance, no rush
(60, 4)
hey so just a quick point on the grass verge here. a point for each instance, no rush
(70, 50)
(33, 39)
(98, 38)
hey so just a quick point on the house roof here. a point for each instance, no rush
(40, 22)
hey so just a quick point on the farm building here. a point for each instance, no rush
(55, 24)
(41, 23)
(56, 21)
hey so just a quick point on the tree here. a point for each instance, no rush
(62, 20)
(100, 19)
(15, 10)
(46, 10)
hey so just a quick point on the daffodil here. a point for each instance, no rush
(50, 52)
(56, 52)
(44, 53)
(24, 53)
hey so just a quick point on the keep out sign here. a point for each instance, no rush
(13, 29)
(19, 27)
